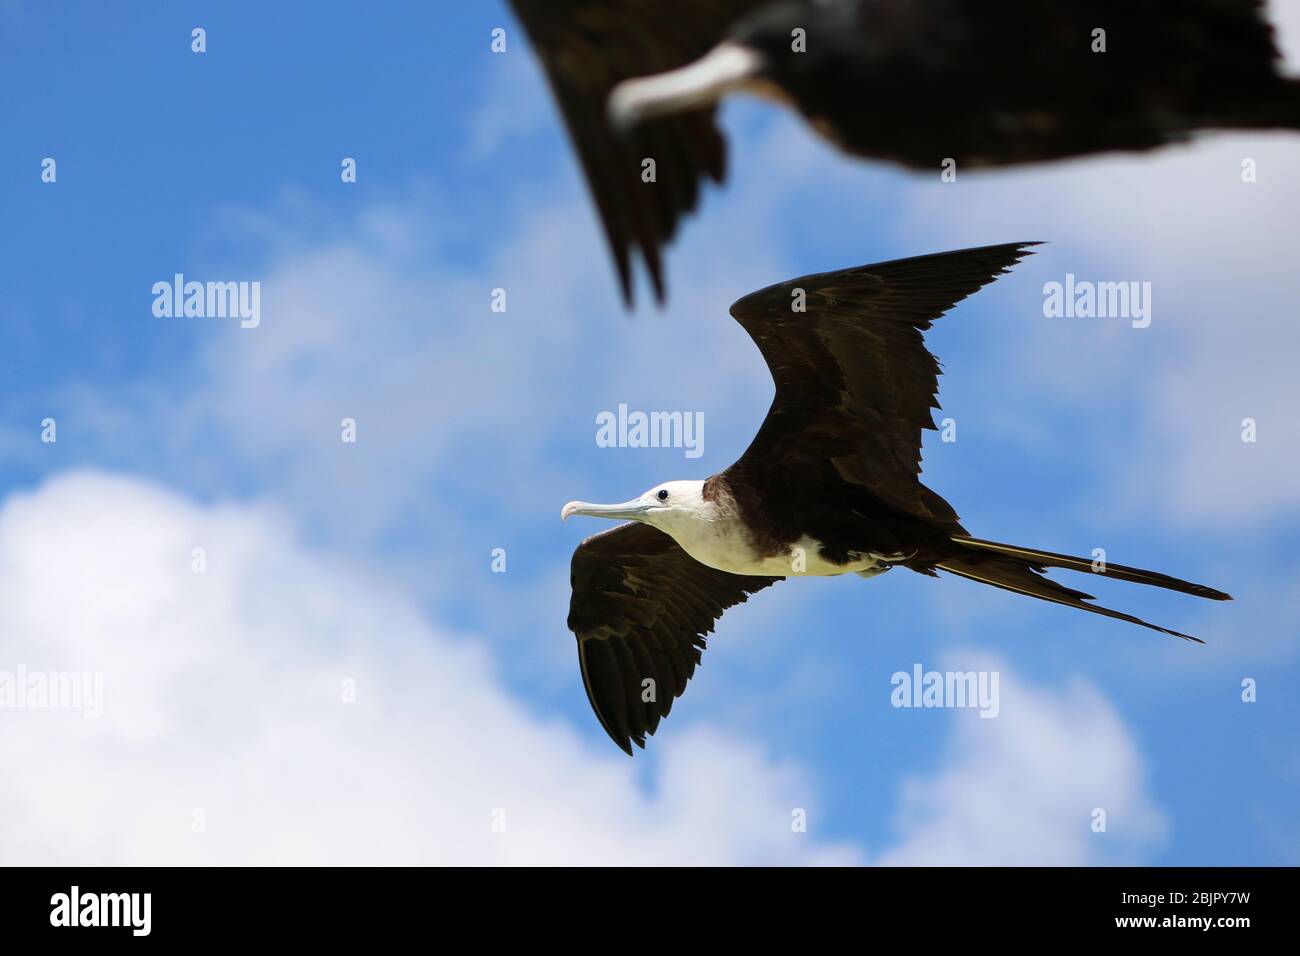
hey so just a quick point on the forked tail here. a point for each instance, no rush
(1018, 569)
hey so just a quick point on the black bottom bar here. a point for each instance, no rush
(339, 905)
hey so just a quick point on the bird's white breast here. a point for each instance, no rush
(727, 547)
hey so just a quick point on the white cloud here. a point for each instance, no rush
(223, 694)
(1219, 254)
(1285, 15)
(1021, 789)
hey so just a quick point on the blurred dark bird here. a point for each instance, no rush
(914, 83)
(829, 486)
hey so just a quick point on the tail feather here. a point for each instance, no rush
(1012, 575)
(1049, 559)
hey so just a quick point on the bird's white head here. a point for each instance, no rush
(671, 506)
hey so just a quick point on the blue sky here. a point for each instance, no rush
(330, 559)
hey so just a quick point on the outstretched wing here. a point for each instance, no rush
(855, 384)
(641, 608)
(589, 46)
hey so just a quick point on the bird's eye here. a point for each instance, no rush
(662, 496)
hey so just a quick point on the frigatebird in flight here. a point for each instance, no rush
(983, 84)
(829, 486)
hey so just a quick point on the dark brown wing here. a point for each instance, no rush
(589, 46)
(855, 384)
(641, 608)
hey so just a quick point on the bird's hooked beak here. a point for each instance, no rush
(726, 67)
(634, 510)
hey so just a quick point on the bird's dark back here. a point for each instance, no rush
(785, 500)
(1018, 80)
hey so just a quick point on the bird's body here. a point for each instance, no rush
(937, 86)
(1022, 81)
(708, 523)
(829, 486)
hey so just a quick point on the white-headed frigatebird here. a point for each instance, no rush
(830, 485)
